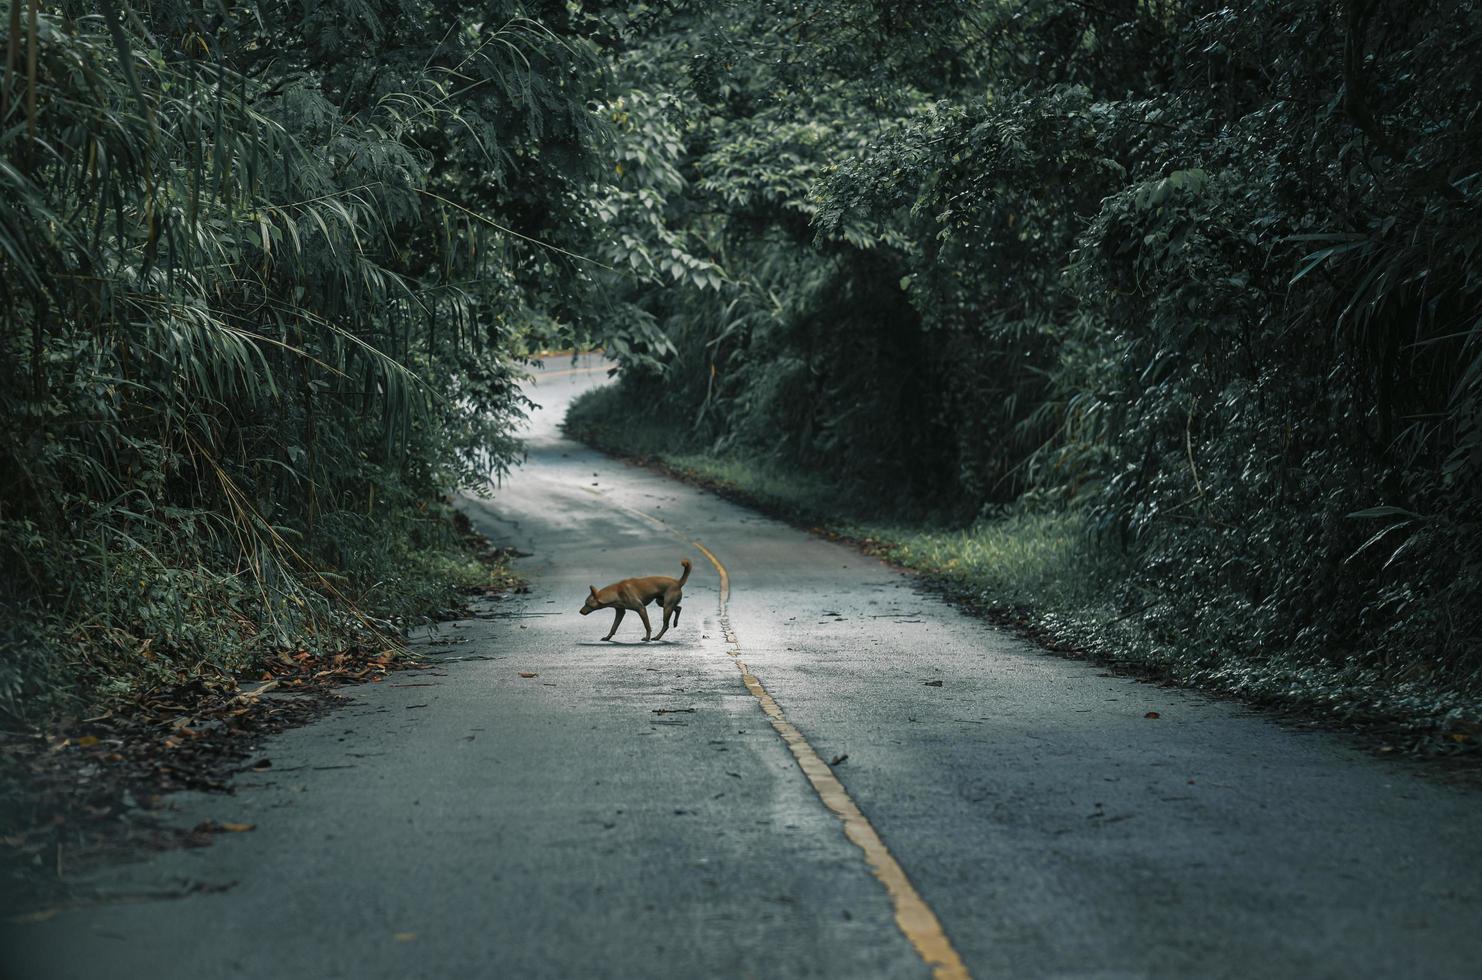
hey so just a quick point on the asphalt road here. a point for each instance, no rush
(632, 810)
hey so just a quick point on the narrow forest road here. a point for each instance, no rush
(629, 809)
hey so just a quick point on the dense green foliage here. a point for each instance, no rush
(1198, 279)
(268, 272)
(1202, 276)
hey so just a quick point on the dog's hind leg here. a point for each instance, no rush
(615, 620)
(671, 608)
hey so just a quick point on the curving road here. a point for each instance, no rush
(670, 810)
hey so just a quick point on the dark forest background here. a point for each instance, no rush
(1159, 320)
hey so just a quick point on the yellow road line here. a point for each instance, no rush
(915, 918)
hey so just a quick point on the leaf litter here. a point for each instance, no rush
(95, 789)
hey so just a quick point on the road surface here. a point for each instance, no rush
(670, 810)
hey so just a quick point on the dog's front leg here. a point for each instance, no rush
(615, 620)
(648, 631)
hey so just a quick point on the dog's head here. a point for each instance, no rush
(592, 603)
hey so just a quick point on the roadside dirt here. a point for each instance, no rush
(90, 791)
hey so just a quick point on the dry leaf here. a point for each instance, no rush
(526, 673)
(237, 828)
(1152, 714)
(933, 683)
(404, 937)
(88, 741)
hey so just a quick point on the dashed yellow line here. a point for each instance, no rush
(915, 918)
(725, 576)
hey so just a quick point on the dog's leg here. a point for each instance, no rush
(615, 620)
(648, 631)
(668, 610)
(671, 608)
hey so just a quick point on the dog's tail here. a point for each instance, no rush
(686, 576)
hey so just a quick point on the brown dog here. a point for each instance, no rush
(635, 593)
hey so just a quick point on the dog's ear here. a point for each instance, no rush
(594, 590)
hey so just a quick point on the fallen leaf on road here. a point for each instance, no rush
(525, 673)
(673, 711)
(838, 759)
(212, 827)
(88, 741)
(262, 764)
(933, 683)
(1152, 714)
(404, 937)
